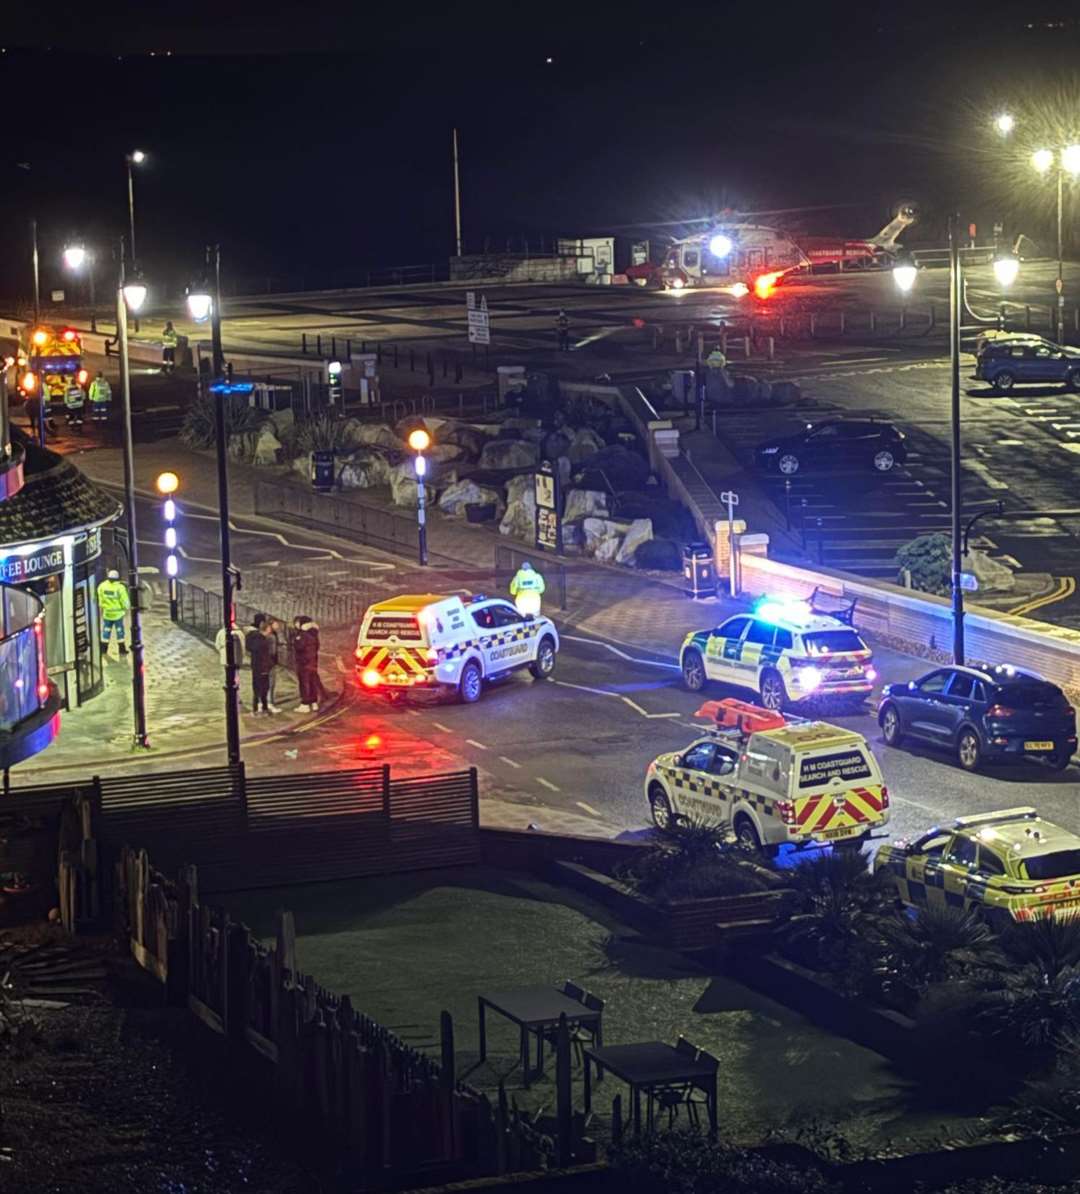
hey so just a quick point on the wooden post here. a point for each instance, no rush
(616, 1119)
(448, 1073)
(237, 955)
(564, 1142)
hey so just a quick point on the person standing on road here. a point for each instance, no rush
(238, 647)
(168, 348)
(261, 649)
(114, 603)
(74, 403)
(306, 653)
(562, 327)
(100, 398)
(526, 588)
(277, 650)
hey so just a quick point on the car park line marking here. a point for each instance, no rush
(1065, 588)
(509, 762)
(547, 784)
(1070, 447)
(638, 709)
(1010, 443)
(587, 807)
(583, 688)
(625, 699)
(473, 742)
(615, 651)
(439, 726)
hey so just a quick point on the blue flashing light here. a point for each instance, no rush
(769, 609)
(232, 387)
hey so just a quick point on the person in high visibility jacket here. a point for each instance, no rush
(526, 589)
(114, 603)
(74, 404)
(168, 348)
(100, 398)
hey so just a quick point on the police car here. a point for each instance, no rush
(773, 779)
(785, 652)
(1012, 865)
(449, 643)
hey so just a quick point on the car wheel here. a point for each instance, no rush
(788, 464)
(471, 683)
(693, 671)
(890, 726)
(544, 663)
(772, 692)
(968, 750)
(1061, 758)
(660, 806)
(746, 835)
(1004, 382)
(884, 461)
(1074, 380)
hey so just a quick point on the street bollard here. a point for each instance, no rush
(903, 318)
(783, 327)
(746, 347)
(931, 319)
(348, 350)
(820, 542)
(333, 347)
(678, 341)
(873, 321)
(1027, 318)
(843, 323)
(813, 325)
(318, 344)
(772, 348)
(303, 342)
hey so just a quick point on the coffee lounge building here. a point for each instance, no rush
(51, 545)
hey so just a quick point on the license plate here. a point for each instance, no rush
(392, 679)
(829, 834)
(1038, 746)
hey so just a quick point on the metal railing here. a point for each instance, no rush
(24, 683)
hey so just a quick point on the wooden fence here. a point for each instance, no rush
(388, 1106)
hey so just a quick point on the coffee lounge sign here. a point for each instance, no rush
(18, 570)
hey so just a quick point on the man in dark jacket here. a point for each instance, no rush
(261, 649)
(306, 654)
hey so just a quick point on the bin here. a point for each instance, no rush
(699, 570)
(322, 470)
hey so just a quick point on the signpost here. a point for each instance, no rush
(731, 499)
(969, 582)
(479, 319)
(548, 517)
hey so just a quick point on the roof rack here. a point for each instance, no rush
(843, 611)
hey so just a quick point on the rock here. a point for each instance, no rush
(555, 444)
(509, 454)
(607, 550)
(640, 532)
(363, 470)
(520, 517)
(785, 392)
(284, 422)
(403, 485)
(534, 435)
(584, 503)
(990, 573)
(469, 439)
(585, 443)
(661, 555)
(617, 466)
(456, 497)
(598, 531)
(266, 447)
(446, 452)
(242, 445)
(356, 433)
(302, 465)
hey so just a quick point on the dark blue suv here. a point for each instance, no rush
(1006, 363)
(981, 715)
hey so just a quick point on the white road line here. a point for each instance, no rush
(439, 726)
(547, 783)
(652, 716)
(473, 742)
(587, 807)
(413, 712)
(615, 651)
(509, 762)
(583, 688)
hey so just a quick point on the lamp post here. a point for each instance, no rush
(167, 484)
(135, 158)
(130, 296)
(420, 441)
(204, 302)
(75, 257)
(37, 276)
(905, 275)
(1067, 161)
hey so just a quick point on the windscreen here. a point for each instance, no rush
(845, 764)
(829, 642)
(1058, 865)
(384, 626)
(1029, 695)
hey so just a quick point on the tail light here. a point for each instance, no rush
(884, 796)
(871, 673)
(1000, 711)
(82, 377)
(29, 382)
(1069, 713)
(786, 811)
(69, 335)
(370, 678)
(358, 653)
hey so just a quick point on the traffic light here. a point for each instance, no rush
(335, 387)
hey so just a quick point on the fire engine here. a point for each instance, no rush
(52, 359)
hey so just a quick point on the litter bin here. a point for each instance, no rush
(699, 570)
(322, 470)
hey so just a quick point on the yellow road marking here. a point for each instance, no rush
(1066, 588)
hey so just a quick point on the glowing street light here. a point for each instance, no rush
(720, 245)
(420, 441)
(1005, 123)
(74, 257)
(135, 158)
(1070, 159)
(904, 274)
(1042, 160)
(1006, 268)
(200, 303)
(134, 295)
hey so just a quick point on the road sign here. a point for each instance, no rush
(969, 582)
(57, 296)
(548, 519)
(479, 320)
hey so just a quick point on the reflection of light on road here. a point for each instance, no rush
(602, 334)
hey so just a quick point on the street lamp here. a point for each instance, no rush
(1004, 123)
(1067, 159)
(130, 296)
(904, 274)
(1005, 270)
(75, 257)
(135, 158)
(420, 441)
(204, 302)
(167, 484)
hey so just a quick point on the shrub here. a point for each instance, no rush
(659, 554)
(320, 433)
(942, 945)
(701, 860)
(929, 560)
(199, 429)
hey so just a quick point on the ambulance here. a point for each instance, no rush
(773, 779)
(450, 644)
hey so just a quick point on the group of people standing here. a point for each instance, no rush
(266, 643)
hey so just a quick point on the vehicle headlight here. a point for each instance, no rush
(769, 451)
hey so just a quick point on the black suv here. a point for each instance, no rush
(1006, 363)
(867, 443)
(982, 714)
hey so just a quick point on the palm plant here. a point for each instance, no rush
(199, 429)
(321, 433)
(701, 860)
(942, 944)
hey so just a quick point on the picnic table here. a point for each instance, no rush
(534, 1009)
(647, 1066)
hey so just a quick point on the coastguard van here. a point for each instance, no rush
(773, 779)
(456, 644)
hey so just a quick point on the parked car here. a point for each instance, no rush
(837, 443)
(1006, 363)
(982, 715)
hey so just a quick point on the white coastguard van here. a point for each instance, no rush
(449, 643)
(773, 779)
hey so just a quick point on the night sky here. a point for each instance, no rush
(313, 139)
